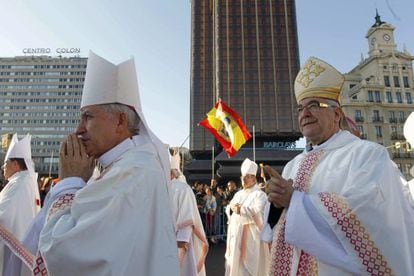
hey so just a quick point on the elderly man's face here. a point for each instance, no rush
(318, 119)
(10, 168)
(98, 130)
(248, 180)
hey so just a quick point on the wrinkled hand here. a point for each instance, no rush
(73, 160)
(279, 189)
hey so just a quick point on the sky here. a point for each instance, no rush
(157, 34)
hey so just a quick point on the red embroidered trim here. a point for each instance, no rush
(308, 265)
(281, 252)
(16, 247)
(40, 268)
(357, 235)
(63, 202)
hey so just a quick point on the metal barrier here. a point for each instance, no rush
(219, 225)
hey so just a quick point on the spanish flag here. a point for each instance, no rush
(227, 127)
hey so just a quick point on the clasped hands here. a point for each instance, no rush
(73, 160)
(279, 190)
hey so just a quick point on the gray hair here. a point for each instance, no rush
(132, 116)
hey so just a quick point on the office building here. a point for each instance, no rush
(41, 95)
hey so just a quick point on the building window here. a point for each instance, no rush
(378, 131)
(399, 98)
(387, 81)
(392, 117)
(377, 96)
(376, 116)
(389, 97)
(406, 83)
(396, 81)
(402, 116)
(358, 116)
(370, 96)
(408, 97)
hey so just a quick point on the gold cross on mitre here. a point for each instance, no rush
(309, 73)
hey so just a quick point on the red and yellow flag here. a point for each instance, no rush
(227, 127)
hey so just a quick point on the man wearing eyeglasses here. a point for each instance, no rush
(245, 253)
(346, 208)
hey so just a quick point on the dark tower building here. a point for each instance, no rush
(246, 53)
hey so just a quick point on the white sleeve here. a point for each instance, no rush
(318, 239)
(267, 233)
(184, 234)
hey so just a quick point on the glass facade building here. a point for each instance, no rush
(246, 53)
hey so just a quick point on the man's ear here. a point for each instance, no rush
(122, 121)
(339, 115)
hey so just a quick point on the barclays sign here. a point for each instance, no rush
(279, 145)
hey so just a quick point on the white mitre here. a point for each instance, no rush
(175, 164)
(21, 149)
(409, 129)
(107, 83)
(248, 167)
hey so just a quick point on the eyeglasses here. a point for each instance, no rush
(313, 106)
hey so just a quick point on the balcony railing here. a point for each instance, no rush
(393, 120)
(403, 154)
(402, 120)
(394, 136)
(359, 119)
(364, 136)
(377, 119)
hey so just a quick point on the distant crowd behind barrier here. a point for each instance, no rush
(212, 201)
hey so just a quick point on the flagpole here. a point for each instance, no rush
(182, 159)
(212, 162)
(254, 145)
(50, 164)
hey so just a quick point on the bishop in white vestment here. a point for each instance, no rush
(191, 238)
(118, 222)
(346, 205)
(246, 254)
(19, 200)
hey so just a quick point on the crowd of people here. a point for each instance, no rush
(122, 206)
(212, 201)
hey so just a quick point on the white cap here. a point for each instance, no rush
(107, 83)
(248, 167)
(409, 129)
(21, 149)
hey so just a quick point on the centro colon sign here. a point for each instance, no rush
(279, 145)
(33, 51)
